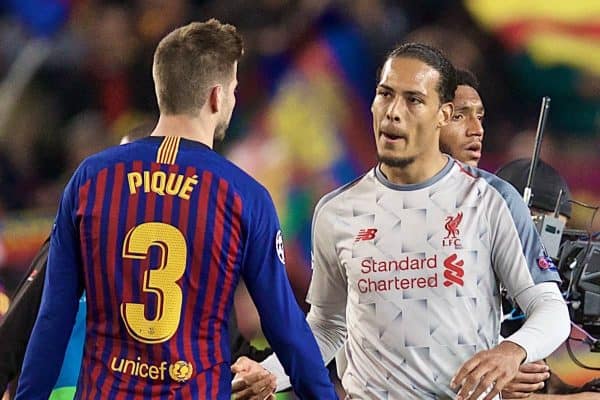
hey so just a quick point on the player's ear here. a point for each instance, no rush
(445, 114)
(215, 98)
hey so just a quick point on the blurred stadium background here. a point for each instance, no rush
(75, 75)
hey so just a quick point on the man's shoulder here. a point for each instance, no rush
(94, 163)
(237, 174)
(488, 180)
(499, 187)
(240, 181)
(111, 155)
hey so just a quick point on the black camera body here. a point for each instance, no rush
(579, 267)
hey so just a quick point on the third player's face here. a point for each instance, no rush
(406, 112)
(462, 138)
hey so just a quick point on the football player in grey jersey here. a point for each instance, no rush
(412, 320)
(408, 259)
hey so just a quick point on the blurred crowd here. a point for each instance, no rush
(76, 77)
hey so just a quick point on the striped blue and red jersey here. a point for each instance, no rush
(158, 233)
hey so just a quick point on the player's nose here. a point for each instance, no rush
(394, 110)
(475, 127)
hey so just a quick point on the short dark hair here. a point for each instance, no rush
(436, 60)
(189, 60)
(465, 77)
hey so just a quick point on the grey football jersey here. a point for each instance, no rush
(416, 270)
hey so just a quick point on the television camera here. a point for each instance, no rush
(576, 254)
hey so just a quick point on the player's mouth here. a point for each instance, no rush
(392, 137)
(474, 149)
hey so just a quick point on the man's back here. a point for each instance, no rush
(160, 223)
(158, 233)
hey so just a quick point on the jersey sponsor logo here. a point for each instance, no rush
(453, 272)
(452, 231)
(179, 371)
(365, 234)
(369, 265)
(376, 277)
(279, 247)
(367, 285)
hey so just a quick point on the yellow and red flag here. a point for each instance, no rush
(552, 32)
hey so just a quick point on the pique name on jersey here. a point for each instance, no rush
(162, 183)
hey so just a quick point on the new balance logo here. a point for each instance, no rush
(365, 234)
(453, 272)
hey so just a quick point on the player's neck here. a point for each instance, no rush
(420, 170)
(186, 127)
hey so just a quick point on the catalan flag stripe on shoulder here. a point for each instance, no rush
(167, 151)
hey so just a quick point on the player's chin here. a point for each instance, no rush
(396, 150)
(471, 161)
(395, 160)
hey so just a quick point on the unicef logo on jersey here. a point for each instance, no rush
(279, 247)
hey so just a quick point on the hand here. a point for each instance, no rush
(529, 379)
(252, 381)
(488, 371)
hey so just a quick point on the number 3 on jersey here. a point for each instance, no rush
(162, 281)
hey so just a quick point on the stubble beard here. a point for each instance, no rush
(395, 162)
(222, 125)
(220, 132)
